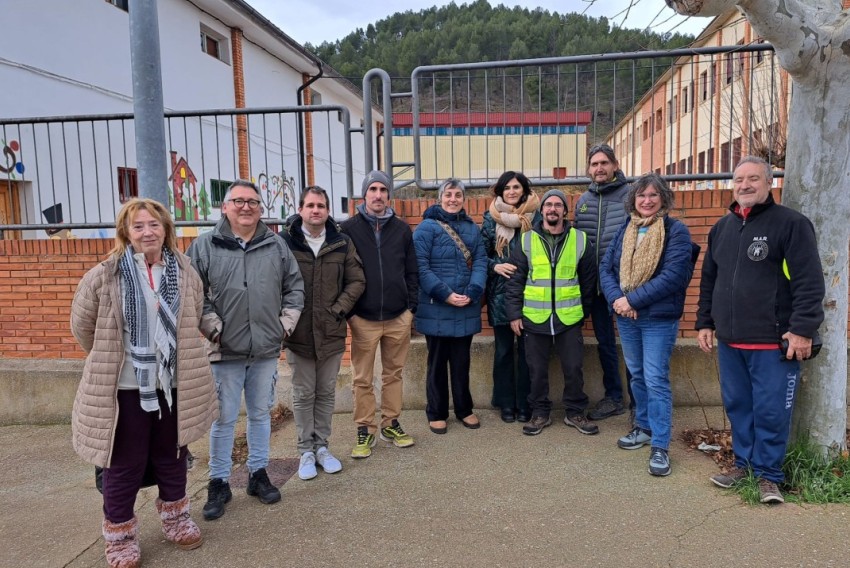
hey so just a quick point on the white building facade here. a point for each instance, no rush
(64, 59)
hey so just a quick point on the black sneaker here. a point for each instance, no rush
(606, 408)
(537, 424)
(218, 493)
(260, 487)
(582, 424)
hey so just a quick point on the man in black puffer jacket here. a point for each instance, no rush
(600, 213)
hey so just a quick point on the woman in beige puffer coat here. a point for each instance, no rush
(146, 390)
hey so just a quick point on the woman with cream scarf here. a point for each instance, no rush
(644, 276)
(511, 213)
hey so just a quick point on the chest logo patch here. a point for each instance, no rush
(757, 251)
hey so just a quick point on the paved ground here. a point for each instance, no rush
(489, 497)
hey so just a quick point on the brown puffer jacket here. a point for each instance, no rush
(332, 283)
(97, 322)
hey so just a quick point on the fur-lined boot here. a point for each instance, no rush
(122, 543)
(177, 525)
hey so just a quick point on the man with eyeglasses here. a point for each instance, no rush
(253, 297)
(546, 301)
(600, 212)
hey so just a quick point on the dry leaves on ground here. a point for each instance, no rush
(280, 415)
(724, 457)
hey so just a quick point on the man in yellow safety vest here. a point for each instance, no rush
(547, 300)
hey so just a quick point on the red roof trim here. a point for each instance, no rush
(581, 118)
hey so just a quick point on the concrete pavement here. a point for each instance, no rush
(490, 497)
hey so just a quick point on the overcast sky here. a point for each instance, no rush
(329, 20)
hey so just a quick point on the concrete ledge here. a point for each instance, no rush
(38, 391)
(41, 391)
(694, 376)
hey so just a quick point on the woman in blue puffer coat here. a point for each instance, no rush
(645, 275)
(452, 276)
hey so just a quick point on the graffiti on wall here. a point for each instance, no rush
(10, 164)
(183, 197)
(278, 188)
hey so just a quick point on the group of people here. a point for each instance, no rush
(174, 340)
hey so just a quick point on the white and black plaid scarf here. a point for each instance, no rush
(143, 349)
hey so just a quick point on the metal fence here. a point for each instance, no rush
(688, 114)
(74, 172)
(473, 121)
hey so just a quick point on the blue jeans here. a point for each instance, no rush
(758, 393)
(647, 346)
(603, 328)
(257, 377)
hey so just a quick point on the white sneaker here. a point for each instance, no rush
(327, 462)
(307, 467)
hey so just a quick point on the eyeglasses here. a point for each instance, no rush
(251, 203)
(555, 205)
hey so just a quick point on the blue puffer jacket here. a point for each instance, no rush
(443, 270)
(663, 295)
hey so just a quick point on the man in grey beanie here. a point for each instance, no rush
(383, 314)
(546, 301)
(379, 177)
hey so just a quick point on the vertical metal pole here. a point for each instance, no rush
(147, 100)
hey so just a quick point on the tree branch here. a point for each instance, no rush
(795, 28)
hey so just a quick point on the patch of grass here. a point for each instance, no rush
(809, 477)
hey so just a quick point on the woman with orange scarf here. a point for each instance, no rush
(511, 214)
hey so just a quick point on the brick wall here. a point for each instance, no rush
(38, 277)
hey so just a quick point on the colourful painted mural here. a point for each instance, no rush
(274, 188)
(12, 166)
(183, 197)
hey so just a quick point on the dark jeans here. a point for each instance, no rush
(511, 384)
(448, 355)
(569, 347)
(141, 437)
(603, 328)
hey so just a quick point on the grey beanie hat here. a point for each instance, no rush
(556, 193)
(380, 177)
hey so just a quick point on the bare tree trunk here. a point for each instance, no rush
(817, 183)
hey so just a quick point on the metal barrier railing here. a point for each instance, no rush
(473, 121)
(73, 172)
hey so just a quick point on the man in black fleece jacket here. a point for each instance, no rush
(762, 283)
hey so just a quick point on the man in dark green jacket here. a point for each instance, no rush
(333, 281)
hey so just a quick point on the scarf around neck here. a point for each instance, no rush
(151, 370)
(638, 262)
(509, 218)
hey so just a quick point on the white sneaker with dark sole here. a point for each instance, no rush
(307, 466)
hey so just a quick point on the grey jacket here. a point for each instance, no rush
(253, 297)
(601, 211)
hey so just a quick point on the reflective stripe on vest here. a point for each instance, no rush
(545, 290)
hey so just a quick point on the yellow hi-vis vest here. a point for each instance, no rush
(553, 284)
